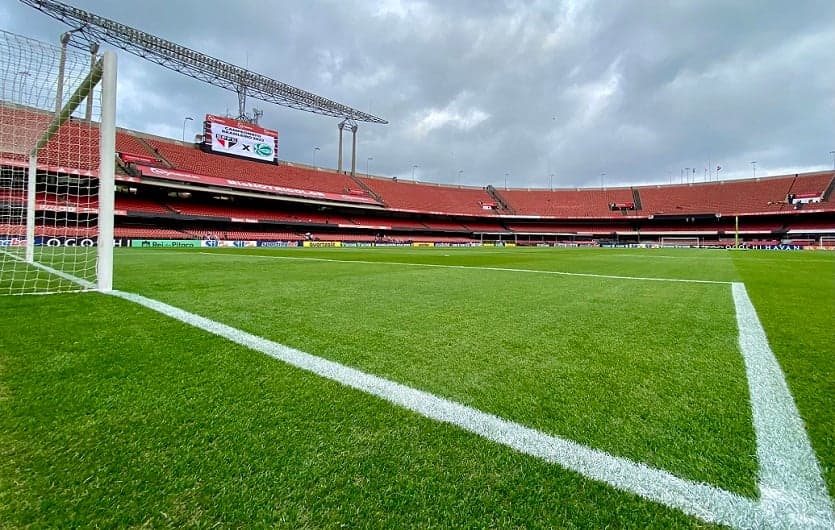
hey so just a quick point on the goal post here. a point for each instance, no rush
(680, 242)
(57, 168)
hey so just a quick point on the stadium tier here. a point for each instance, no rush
(567, 203)
(427, 198)
(190, 158)
(172, 189)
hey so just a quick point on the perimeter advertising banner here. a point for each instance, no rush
(232, 137)
(165, 243)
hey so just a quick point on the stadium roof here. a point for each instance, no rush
(95, 28)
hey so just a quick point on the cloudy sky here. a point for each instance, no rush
(484, 91)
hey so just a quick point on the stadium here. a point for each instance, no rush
(235, 339)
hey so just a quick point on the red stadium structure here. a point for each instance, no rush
(167, 189)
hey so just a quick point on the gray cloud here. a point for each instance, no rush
(637, 90)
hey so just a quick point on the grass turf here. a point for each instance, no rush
(174, 427)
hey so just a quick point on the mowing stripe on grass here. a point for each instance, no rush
(790, 478)
(467, 267)
(706, 502)
(793, 492)
(85, 284)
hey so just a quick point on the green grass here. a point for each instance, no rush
(20, 278)
(113, 415)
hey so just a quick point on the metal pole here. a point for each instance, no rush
(602, 176)
(187, 118)
(505, 180)
(107, 169)
(833, 159)
(551, 181)
(31, 184)
(367, 160)
(340, 126)
(94, 49)
(414, 167)
(354, 151)
(59, 90)
(460, 173)
(315, 149)
(754, 166)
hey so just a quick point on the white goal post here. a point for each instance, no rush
(57, 165)
(680, 242)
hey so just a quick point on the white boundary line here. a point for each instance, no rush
(790, 478)
(793, 492)
(85, 284)
(466, 267)
(706, 502)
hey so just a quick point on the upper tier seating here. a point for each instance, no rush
(190, 158)
(430, 197)
(728, 197)
(136, 204)
(566, 202)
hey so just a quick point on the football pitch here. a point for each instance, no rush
(445, 387)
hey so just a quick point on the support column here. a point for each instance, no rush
(354, 150)
(94, 49)
(59, 89)
(341, 126)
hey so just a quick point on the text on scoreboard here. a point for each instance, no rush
(232, 137)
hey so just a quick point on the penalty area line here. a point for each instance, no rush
(790, 479)
(468, 267)
(706, 502)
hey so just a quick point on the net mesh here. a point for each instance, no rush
(64, 212)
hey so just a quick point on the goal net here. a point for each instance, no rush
(57, 157)
(680, 242)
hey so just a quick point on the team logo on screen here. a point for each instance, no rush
(226, 141)
(263, 150)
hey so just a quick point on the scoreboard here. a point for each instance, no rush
(232, 137)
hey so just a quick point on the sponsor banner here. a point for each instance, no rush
(13, 242)
(237, 244)
(11, 162)
(770, 247)
(51, 207)
(392, 244)
(422, 244)
(232, 137)
(357, 244)
(277, 244)
(66, 241)
(185, 176)
(166, 243)
(319, 244)
(510, 245)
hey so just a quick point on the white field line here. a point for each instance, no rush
(475, 268)
(85, 284)
(793, 492)
(703, 501)
(790, 478)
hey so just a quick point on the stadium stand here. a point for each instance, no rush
(190, 158)
(725, 197)
(769, 208)
(567, 202)
(420, 197)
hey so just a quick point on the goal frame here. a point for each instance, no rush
(687, 242)
(102, 73)
(37, 170)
